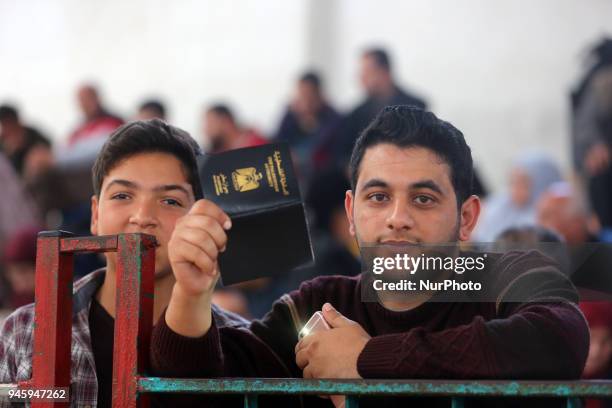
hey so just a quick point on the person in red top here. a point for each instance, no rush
(222, 131)
(411, 180)
(599, 362)
(98, 122)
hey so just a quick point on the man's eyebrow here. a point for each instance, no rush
(135, 186)
(429, 184)
(121, 182)
(171, 187)
(375, 183)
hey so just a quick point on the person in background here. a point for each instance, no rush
(222, 131)
(28, 150)
(20, 265)
(307, 119)
(530, 234)
(97, 123)
(16, 208)
(599, 360)
(530, 176)
(381, 89)
(151, 109)
(593, 145)
(561, 209)
(336, 250)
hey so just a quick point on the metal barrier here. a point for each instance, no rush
(133, 325)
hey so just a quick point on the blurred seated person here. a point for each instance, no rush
(28, 150)
(307, 119)
(232, 300)
(97, 123)
(562, 210)
(222, 131)
(530, 234)
(17, 210)
(151, 109)
(20, 266)
(531, 174)
(336, 250)
(592, 141)
(599, 360)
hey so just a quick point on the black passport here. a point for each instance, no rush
(258, 189)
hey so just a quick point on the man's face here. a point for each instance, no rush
(372, 76)
(307, 98)
(214, 129)
(405, 195)
(88, 101)
(147, 193)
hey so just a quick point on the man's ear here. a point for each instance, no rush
(349, 201)
(470, 210)
(93, 226)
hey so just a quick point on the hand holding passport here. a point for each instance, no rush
(258, 189)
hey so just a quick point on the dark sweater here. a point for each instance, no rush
(543, 338)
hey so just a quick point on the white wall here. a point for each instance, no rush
(499, 70)
(188, 52)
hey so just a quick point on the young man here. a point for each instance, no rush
(144, 179)
(411, 180)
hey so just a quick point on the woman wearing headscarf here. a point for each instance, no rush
(530, 176)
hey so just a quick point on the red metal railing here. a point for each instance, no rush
(134, 312)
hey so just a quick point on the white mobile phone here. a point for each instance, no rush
(315, 323)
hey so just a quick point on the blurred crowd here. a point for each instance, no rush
(47, 186)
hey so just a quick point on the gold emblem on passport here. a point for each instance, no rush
(246, 179)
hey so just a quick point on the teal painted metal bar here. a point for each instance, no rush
(564, 389)
(457, 402)
(351, 402)
(251, 401)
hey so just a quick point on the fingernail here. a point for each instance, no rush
(327, 307)
(228, 224)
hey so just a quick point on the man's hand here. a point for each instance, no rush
(332, 353)
(196, 242)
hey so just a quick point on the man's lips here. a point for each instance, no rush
(398, 242)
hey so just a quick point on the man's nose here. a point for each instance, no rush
(145, 214)
(400, 217)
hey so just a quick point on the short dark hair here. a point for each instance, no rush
(156, 106)
(8, 112)
(380, 57)
(408, 126)
(312, 78)
(222, 110)
(148, 136)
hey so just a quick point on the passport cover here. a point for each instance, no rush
(257, 187)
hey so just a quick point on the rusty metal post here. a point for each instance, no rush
(134, 317)
(53, 316)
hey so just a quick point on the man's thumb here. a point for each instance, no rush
(334, 317)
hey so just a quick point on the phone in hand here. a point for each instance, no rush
(315, 323)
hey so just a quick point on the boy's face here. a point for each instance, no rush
(147, 193)
(405, 196)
